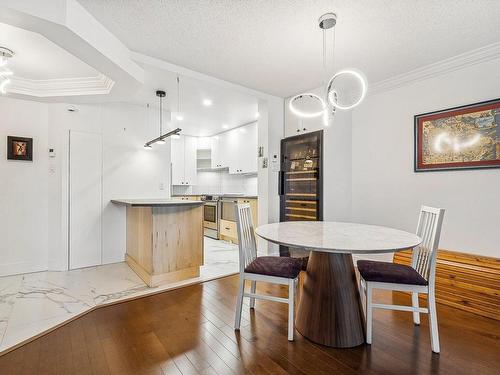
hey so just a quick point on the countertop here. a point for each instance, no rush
(219, 195)
(155, 202)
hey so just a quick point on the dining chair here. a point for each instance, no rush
(269, 269)
(418, 278)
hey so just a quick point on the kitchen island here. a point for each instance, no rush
(164, 239)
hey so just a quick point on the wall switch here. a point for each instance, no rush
(162, 186)
(52, 153)
(260, 151)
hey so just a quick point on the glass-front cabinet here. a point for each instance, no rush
(301, 183)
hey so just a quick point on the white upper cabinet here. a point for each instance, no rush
(190, 160)
(243, 149)
(219, 152)
(183, 157)
(235, 149)
(177, 159)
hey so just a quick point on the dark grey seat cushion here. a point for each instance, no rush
(275, 266)
(389, 273)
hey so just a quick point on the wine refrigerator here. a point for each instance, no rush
(301, 179)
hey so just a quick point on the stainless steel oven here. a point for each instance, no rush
(211, 216)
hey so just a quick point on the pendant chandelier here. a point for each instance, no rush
(5, 55)
(160, 140)
(344, 90)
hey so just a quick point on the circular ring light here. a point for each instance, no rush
(329, 90)
(306, 114)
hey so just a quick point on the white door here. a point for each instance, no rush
(177, 160)
(85, 199)
(190, 173)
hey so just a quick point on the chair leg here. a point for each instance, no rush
(414, 303)
(369, 309)
(239, 303)
(252, 290)
(433, 324)
(291, 309)
(362, 295)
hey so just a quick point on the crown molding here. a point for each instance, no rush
(476, 56)
(98, 85)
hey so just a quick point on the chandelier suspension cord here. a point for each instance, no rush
(178, 96)
(325, 71)
(161, 115)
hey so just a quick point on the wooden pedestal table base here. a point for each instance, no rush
(329, 311)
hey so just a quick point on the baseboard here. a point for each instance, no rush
(16, 268)
(465, 281)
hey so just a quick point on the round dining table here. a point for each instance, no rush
(329, 310)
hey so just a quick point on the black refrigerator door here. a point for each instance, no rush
(300, 181)
(300, 185)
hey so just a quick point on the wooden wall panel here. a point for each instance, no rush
(465, 281)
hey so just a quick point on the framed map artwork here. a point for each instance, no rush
(466, 137)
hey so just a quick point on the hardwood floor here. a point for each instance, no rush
(189, 331)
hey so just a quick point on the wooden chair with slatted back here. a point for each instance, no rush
(417, 278)
(270, 269)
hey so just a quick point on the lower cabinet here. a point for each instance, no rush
(227, 228)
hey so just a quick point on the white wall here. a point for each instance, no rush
(386, 190)
(34, 196)
(271, 131)
(23, 189)
(128, 170)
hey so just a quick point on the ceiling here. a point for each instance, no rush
(37, 58)
(275, 46)
(229, 108)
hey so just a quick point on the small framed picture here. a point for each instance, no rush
(19, 148)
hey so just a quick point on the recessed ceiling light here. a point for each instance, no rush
(225, 126)
(257, 114)
(179, 118)
(207, 102)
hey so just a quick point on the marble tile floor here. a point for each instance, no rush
(31, 304)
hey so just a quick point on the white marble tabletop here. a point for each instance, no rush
(338, 237)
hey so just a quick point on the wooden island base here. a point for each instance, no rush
(164, 240)
(329, 311)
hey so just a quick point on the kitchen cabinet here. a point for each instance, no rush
(247, 155)
(254, 207)
(236, 149)
(227, 224)
(242, 149)
(183, 158)
(219, 152)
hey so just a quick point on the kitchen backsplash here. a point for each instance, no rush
(218, 183)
